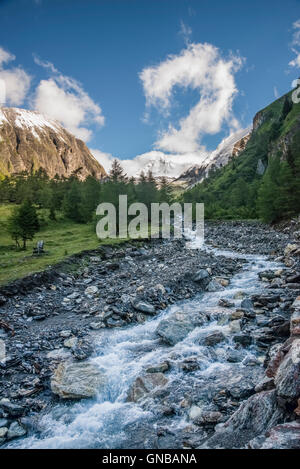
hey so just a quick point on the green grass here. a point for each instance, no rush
(62, 238)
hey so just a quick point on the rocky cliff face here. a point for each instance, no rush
(29, 141)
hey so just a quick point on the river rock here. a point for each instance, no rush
(91, 290)
(13, 410)
(175, 328)
(284, 436)
(295, 318)
(247, 304)
(76, 380)
(3, 432)
(214, 286)
(15, 431)
(143, 385)
(255, 416)
(290, 248)
(160, 368)
(242, 339)
(71, 342)
(213, 338)
(144, 307)
(201, 275)
(287, 379)
(195, 413)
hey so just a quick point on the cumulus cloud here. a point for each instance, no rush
(105, 159)
(62, 98)
(15, 82)
(202, 68)
(296, 45)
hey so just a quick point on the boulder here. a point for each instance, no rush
(290, 248)
(214, 286)
(71, 342)
(76, 380)
(284, 436)
(15, 431)
(287, 378)
(143, 385)
(213, 338)
(159, 368)
(255, 416)
(144, 307)
(242, 339)
(176, 327)
(295, 318)
(201, 275)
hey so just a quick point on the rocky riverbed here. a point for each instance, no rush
(157, 346)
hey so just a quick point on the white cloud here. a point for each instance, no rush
(16, 81)
(296, 45)
(200, 67)
(185, 32)
(160, 163)
(105, 159)
(62, 98)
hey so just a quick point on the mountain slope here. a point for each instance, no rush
(229, 147)
(264, 180)
(29, 141)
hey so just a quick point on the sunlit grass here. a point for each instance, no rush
(62, 238)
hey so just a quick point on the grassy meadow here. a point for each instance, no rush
(62, 238)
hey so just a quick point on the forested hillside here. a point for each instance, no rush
(264, 180)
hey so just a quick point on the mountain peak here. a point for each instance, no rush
(29, 141)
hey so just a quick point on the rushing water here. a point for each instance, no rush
(123, 355)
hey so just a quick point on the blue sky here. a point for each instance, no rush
(99, 48)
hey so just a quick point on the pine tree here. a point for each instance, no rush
(116, 173)
(23, 223)
(287, 107)
(165, 191)
(72, 202)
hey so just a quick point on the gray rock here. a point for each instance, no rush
(144, 307)
(91, 290)
(214, 286)
(144, 385)
(201, 275)
(13, 410)
(214, 338)
(175, 328)
(3, 432)
(255, 416)
(284, 436)
(243, 339)
(247, 304)
(160, 368)
(15, 431)
(76, 380)
(287, 378)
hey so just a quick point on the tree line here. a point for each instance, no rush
(75, 199)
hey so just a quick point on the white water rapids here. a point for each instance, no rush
(123, 355)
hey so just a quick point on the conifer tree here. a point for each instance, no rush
(23, 223)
